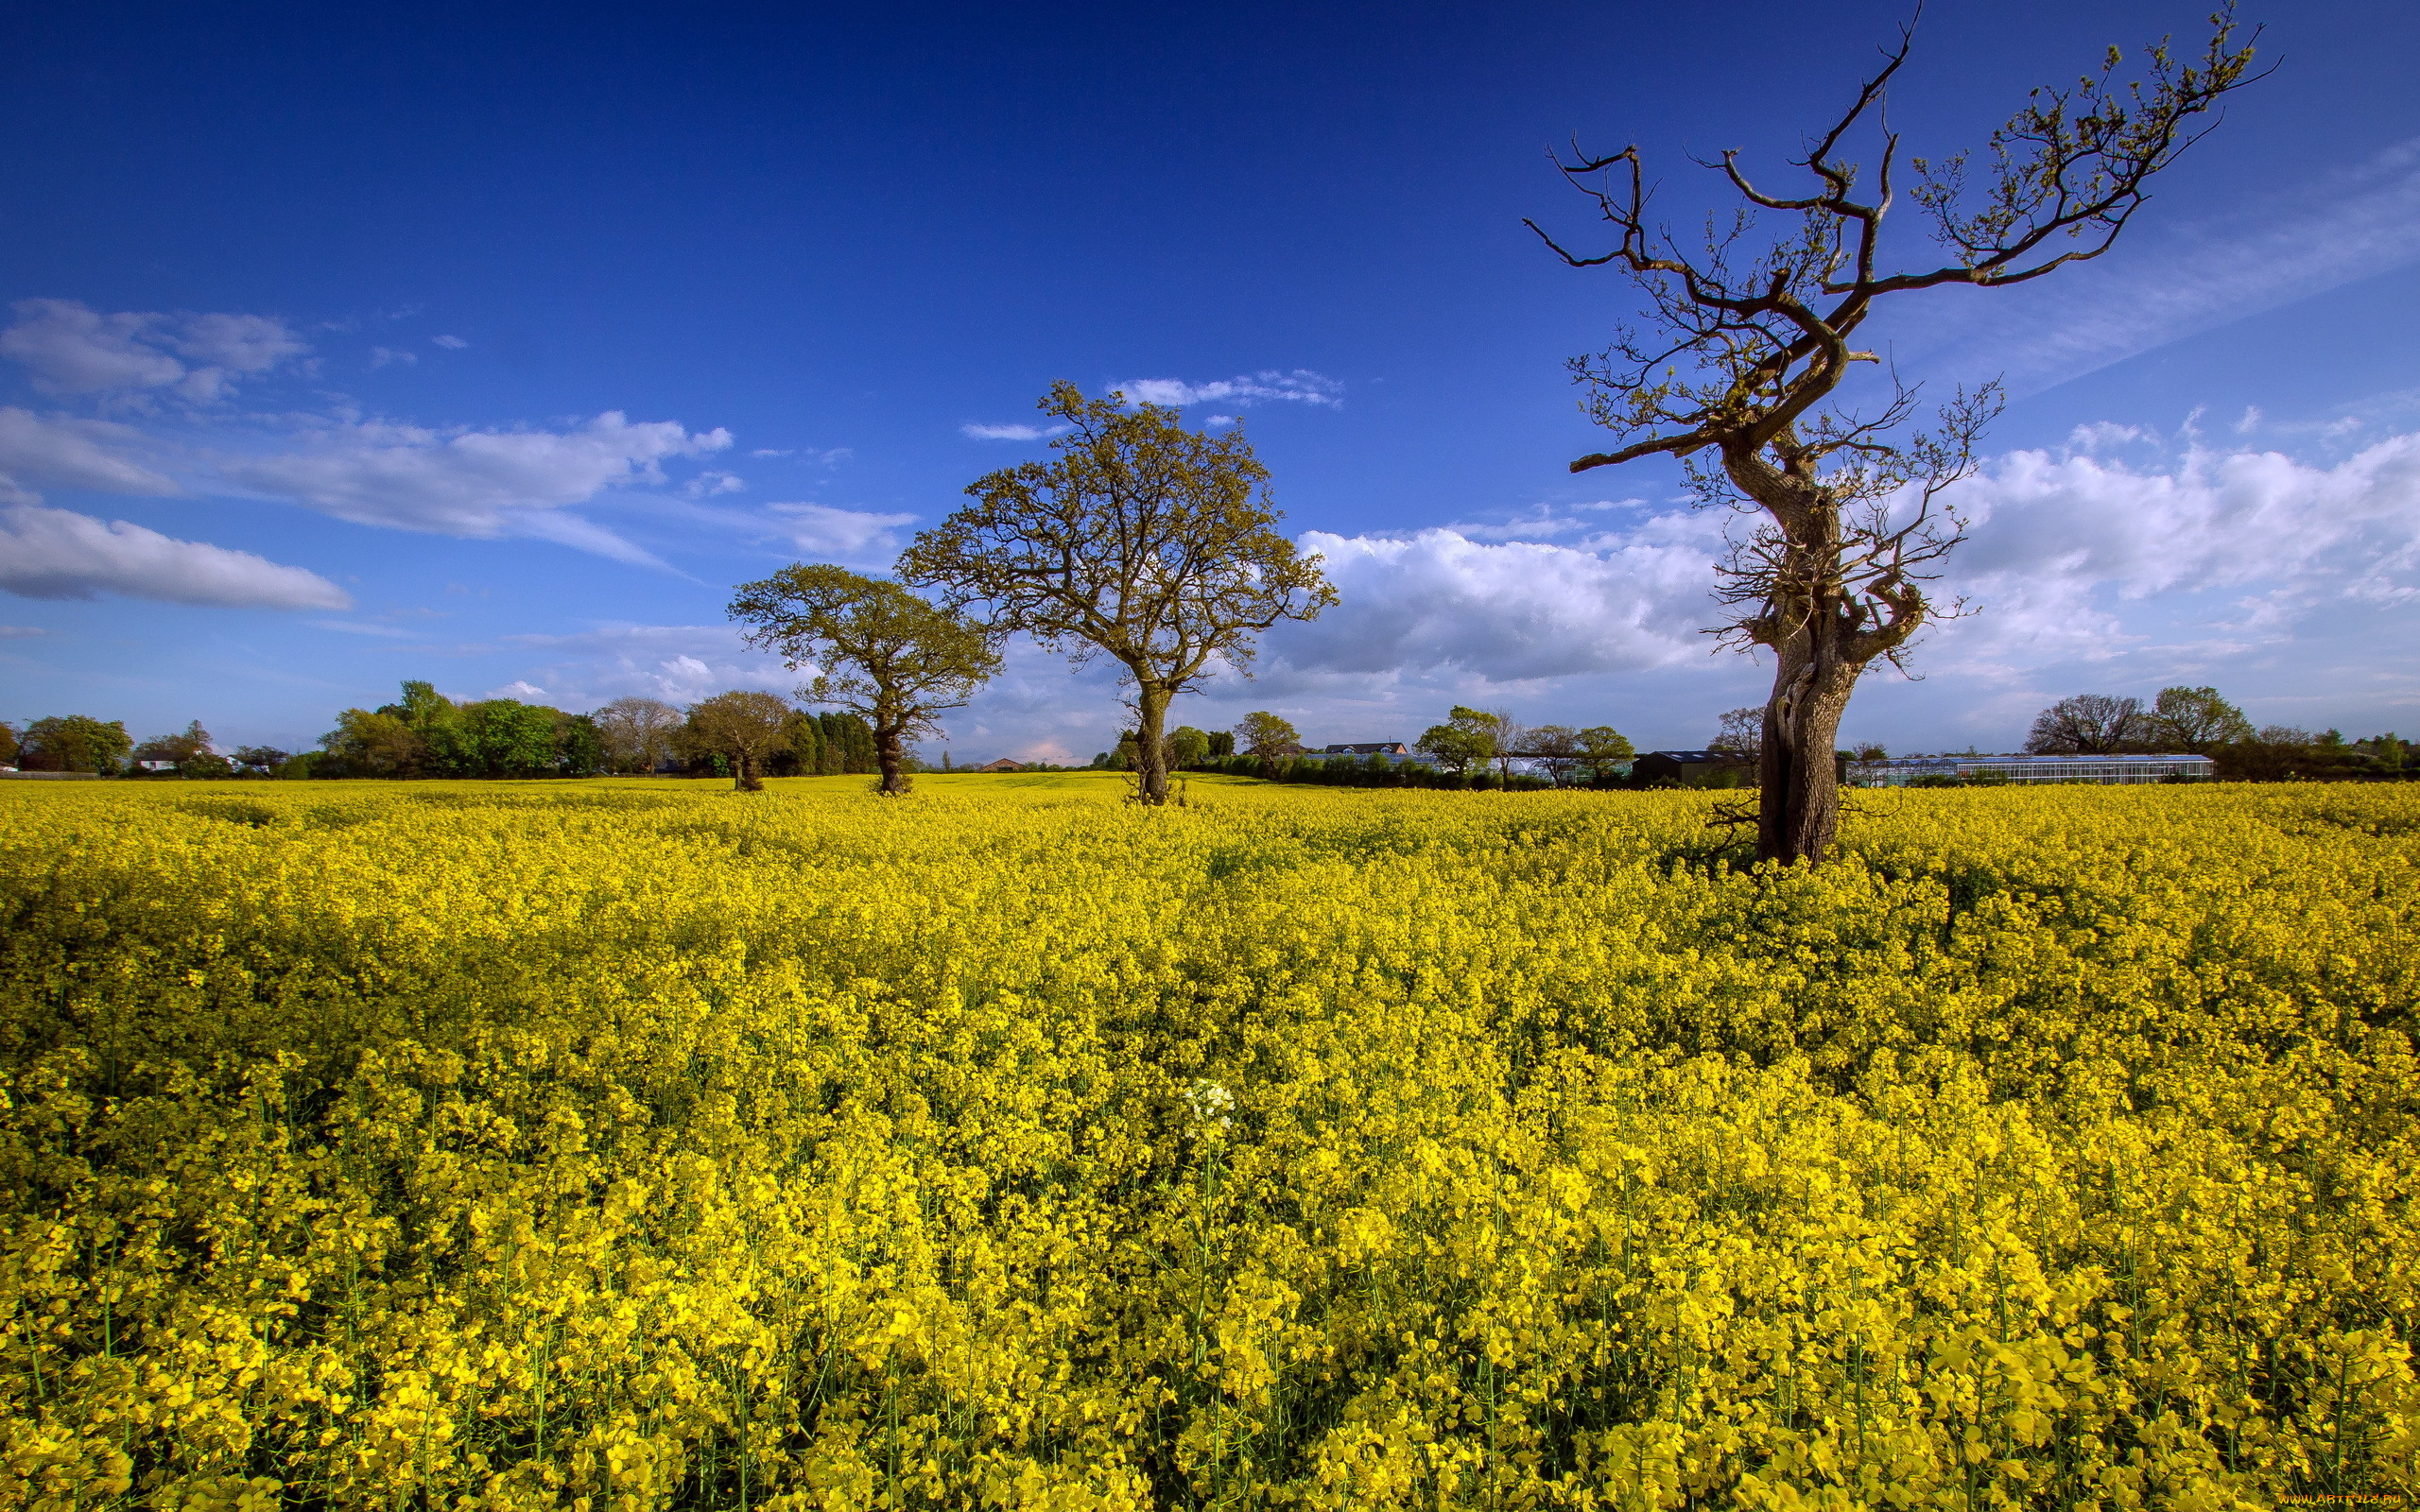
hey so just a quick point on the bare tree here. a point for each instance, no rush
(636, 733)
(886, 655)
(1740, 732)
(2089, 724)
(1750, 334)
(1144, 540)
(1555, 748)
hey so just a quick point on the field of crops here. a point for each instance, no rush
(640, 1144)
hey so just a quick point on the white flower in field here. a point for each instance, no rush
(1212, 1104)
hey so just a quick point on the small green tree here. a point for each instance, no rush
(579, 746)
(2196, 720)
(1604, 752)
(75, 742)
(1145, 541)
(1467, 738)
(373, 743)
(886, 655)
(1266, 736)
(1188, 748)
(743, 728)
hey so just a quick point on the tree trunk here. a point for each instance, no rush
(1798, 808)
(1150, 755)
(888, 755)
(748, 780)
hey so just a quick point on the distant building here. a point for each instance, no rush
(1906, 769)
(1679, 765)
(1393, 750)
(1003, 765)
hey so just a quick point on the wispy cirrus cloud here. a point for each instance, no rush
(1300, 387)
(1010, 433)
(473, 483)
(2164, 282)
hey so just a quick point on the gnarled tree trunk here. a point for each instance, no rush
(1150, 753)
(891, 755)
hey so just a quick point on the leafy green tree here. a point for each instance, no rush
(503, 737)
(1222, 743)
(8, 743)
(262, 757)
(1150, 543)
(1603, 752)
(579, 746)
(1467, 738)
(744, 728)
(1188, 748)
(75, 742)
(1268, 737)
(373, 743)
(1750, 334)
(892, 659)
(2196, 720)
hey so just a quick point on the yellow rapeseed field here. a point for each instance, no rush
(640, 1144)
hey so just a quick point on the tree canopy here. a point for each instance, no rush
(1142, 540)
(883, 653)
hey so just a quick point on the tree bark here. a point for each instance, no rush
(1150, 755)
(748, 781)
(1798, 809)
(888, 755)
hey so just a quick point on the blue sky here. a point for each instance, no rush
(492, 345)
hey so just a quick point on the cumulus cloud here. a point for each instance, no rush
(60, 554)
(1301, 386)
(71, 349)
(449, 343)
(2062, 541)
(1510, 611)
(520, 692)
(678, 664)
(847, 534)
(481, 484)
(71, 453)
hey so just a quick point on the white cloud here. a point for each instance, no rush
(1302, 386)
(522, 692)
(481, 484)
(449, 343)
(1514, 612)
(58, 554)
(2064, 541)
(73, 349)
(771, 451)
(71, 453)
(679, 663)
(847, 534)
(1010, 433)
(710, 482)
(13, 632)
(381, 356)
